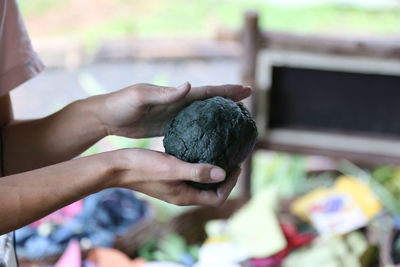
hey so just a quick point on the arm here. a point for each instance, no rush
(37, 143)
(28, 196)
(137, 111)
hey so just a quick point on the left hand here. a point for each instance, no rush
(142, 110)
(165, 177)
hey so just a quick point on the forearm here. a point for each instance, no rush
(28, 196)
(37, 143)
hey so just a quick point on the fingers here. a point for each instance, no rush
(164, 176)
(199, 172)
(193, 196)
(225, 189)
(231, 91)
(169, 168)
(152, 94)
(149, 94)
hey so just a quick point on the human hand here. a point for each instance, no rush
(142, 110)
(165, 177)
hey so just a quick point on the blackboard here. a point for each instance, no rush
(336, 101)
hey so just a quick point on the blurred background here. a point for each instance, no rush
(307, 210)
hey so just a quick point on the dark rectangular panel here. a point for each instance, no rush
(335, 101)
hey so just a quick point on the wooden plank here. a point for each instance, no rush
(250, 41)
(361, 159)
(376, 145)
(355, 46)
(372, 46)
(166, 49)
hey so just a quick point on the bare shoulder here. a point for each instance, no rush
(5, 109)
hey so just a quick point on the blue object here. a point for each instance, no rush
(104, 215)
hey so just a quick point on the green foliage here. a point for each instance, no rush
(384, 181)
(389, 177)
(169, 248)
(285, 172)
(331, 19)
(113, 28)
(39, 7)
(201, 18)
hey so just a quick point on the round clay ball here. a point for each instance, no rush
(216, 131)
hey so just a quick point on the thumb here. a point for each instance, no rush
(167, 95)
(200, 172)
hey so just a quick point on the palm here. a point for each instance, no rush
(147, 120)
(143, 110)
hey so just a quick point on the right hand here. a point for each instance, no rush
(142, 110)
(163, 176)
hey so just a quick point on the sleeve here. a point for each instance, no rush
(18, 61)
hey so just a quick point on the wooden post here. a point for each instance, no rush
(250, 45)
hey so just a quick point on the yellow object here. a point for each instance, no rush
(301, 206)
(360, 193)
(220, 239)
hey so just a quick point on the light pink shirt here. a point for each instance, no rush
(18, 62)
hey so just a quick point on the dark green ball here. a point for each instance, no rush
(216, 131)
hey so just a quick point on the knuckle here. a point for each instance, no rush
(138, 95)
(199, 173)
(194, 173)
(166, 93)
(140, 91)
(137, 87)
(164, 90)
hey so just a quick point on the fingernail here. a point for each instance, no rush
(217, 174)
(183, 86)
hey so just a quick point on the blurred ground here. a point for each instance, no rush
(56, 87)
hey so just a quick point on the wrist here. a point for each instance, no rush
(110, 165)
(117, 163)
(89, 109)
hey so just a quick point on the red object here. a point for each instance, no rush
(294, 240)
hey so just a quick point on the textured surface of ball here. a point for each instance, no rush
(216, 131)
